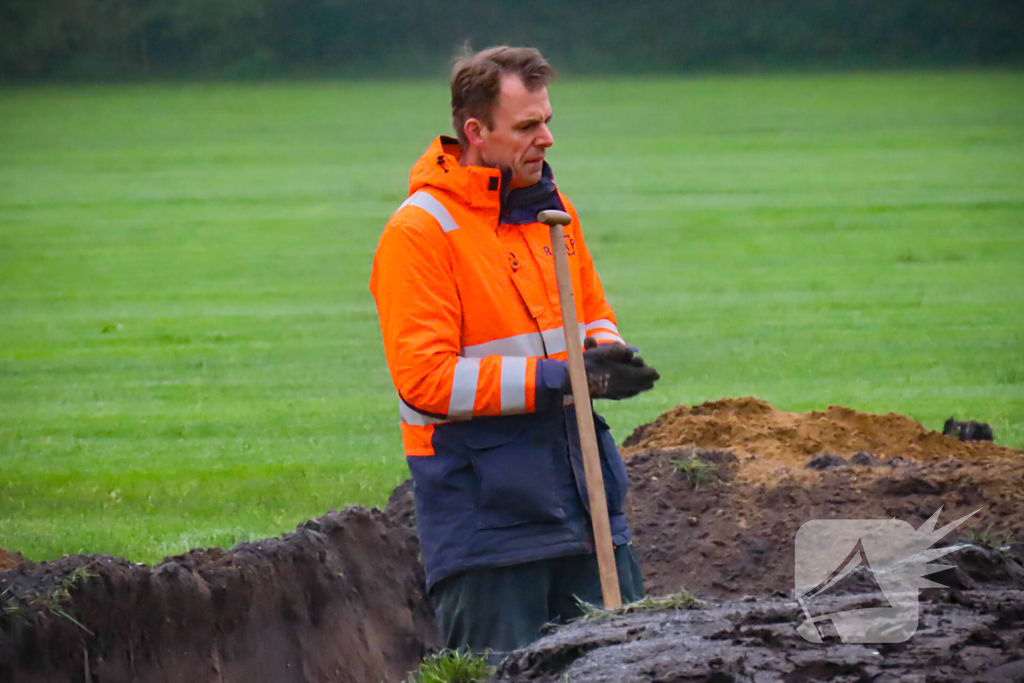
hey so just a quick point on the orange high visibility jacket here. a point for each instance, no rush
(467, 306)
(468, 302)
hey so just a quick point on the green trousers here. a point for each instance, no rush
(500, 609)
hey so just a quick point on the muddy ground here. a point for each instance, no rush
(718, 493)
(963, 636)
(339, 599)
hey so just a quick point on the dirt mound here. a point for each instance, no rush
(773, 440)
(726, 537)
(725, 528)
(340, 598)
(969, 637)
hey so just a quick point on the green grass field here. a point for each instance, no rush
(189, 354)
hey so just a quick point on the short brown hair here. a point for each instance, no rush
(476, 81)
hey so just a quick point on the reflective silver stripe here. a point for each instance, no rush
(528, 344)
(426, 201)
(555, 339)
(411, 416)
(603, 324)
(513, 385)
(467, 371)
(606, 335)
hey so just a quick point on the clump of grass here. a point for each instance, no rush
(693, 468)
(978, 536)
(985, 537)
(53, 600)
(452, 666)
(681, 600)
(10, 609)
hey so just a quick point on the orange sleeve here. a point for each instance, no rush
(598, 316)
(413, 284)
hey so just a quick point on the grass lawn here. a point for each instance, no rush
(189, 354)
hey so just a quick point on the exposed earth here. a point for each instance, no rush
(770, 440)
(342, 598)
(769, 471)
(718, 493)
(966, 636)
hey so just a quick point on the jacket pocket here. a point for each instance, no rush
(517, 479)
(613, 469)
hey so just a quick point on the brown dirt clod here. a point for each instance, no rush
(10, 560)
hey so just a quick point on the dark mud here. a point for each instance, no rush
(401, 505)
(339, 599)
(962, 636)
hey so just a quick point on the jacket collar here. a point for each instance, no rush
(521, 205)
(486, 190)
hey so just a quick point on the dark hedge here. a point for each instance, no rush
(109, 39)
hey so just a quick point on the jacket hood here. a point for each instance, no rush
(483, 189)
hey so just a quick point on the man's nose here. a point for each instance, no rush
(544, 138)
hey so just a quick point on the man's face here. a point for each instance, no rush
(520, 136)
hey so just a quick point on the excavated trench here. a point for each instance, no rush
(339, 599)
(718, 493)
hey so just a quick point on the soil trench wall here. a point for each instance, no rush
(339, 599)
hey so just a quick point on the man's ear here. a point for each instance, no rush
(474, 128)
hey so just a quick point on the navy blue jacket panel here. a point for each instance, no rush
(506, 490)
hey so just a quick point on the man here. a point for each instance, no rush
(465, 287)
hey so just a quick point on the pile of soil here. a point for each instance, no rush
(767, 472)
(342, 598)
(771, 442)
(969, 636)
(728, 538)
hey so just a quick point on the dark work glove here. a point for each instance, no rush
(615, 371)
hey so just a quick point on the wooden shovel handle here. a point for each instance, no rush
(584, 414)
